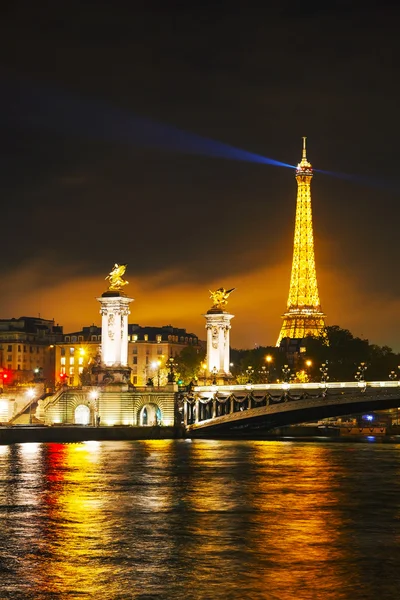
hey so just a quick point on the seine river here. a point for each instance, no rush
(200, 520)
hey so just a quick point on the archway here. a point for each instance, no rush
(82, 415)
(150, 414)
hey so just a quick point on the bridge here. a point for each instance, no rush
(226, 410)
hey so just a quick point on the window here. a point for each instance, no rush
(73, 338)
(134, 337)
(94, 338)
(134, 369)
(135, 360)
(31, 349)
(9, 357)
(9, 349)
(80, 338)
(63, 360)
(134, 350)
(135, 380)
(158, 338)
(19, 367)
(71, 370)
(72, 351)
(159, 350)
(80, 370)
(19, 348)
(80, 361)
(67, 338)
(147, 360)
(146, 337)
(62, 370)
(62, 351)
(71, 360)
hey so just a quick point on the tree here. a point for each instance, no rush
(188, 364)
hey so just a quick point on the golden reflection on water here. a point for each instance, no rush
(74, 521)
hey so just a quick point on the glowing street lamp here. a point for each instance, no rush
(308, 366)
(268, 360)
(31, 394)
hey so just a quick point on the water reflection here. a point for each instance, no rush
(172, 519)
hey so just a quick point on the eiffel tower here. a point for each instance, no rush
(304, 315)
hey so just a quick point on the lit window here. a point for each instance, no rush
(158, 338)
(135, 338)
(146, 337)
(71, 370)
(63, 360)
(72, 351)
(80, 360)
(80, 370)
(71, 360)
(62, 370)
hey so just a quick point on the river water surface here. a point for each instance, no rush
(200, 520)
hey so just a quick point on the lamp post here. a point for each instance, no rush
(286, 373)
(324, 372)
(359, 376)
(249, 373)
(308, 366)
(94, 397)
(263, 373)
(214, 374)
(31, 395)
(171, 368)
(268, 359)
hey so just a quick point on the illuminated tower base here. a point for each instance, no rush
(218, 327)
(114, 338)
(298, 324)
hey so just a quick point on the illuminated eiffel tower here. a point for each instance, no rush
(303, 316)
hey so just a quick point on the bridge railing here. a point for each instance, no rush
(203, 403)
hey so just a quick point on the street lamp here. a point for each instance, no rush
(170, 364)
(31, 395)
(286, 373)
(249, 373)
(94, 397)
(359, 376)
(263, 373)
(214, 374)
(324, 372)
(268, 359)
(308, 365)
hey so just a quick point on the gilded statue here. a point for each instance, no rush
(115, 278)
(220, 298)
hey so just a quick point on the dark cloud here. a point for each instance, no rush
(255, 79)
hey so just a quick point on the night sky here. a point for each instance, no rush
(86, 181)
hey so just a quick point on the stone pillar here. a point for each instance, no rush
(114, 329)
(218, 327)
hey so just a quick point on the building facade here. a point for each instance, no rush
(27, 349)
(149, 349)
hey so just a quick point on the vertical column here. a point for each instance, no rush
(218, 326)
(114, 329)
